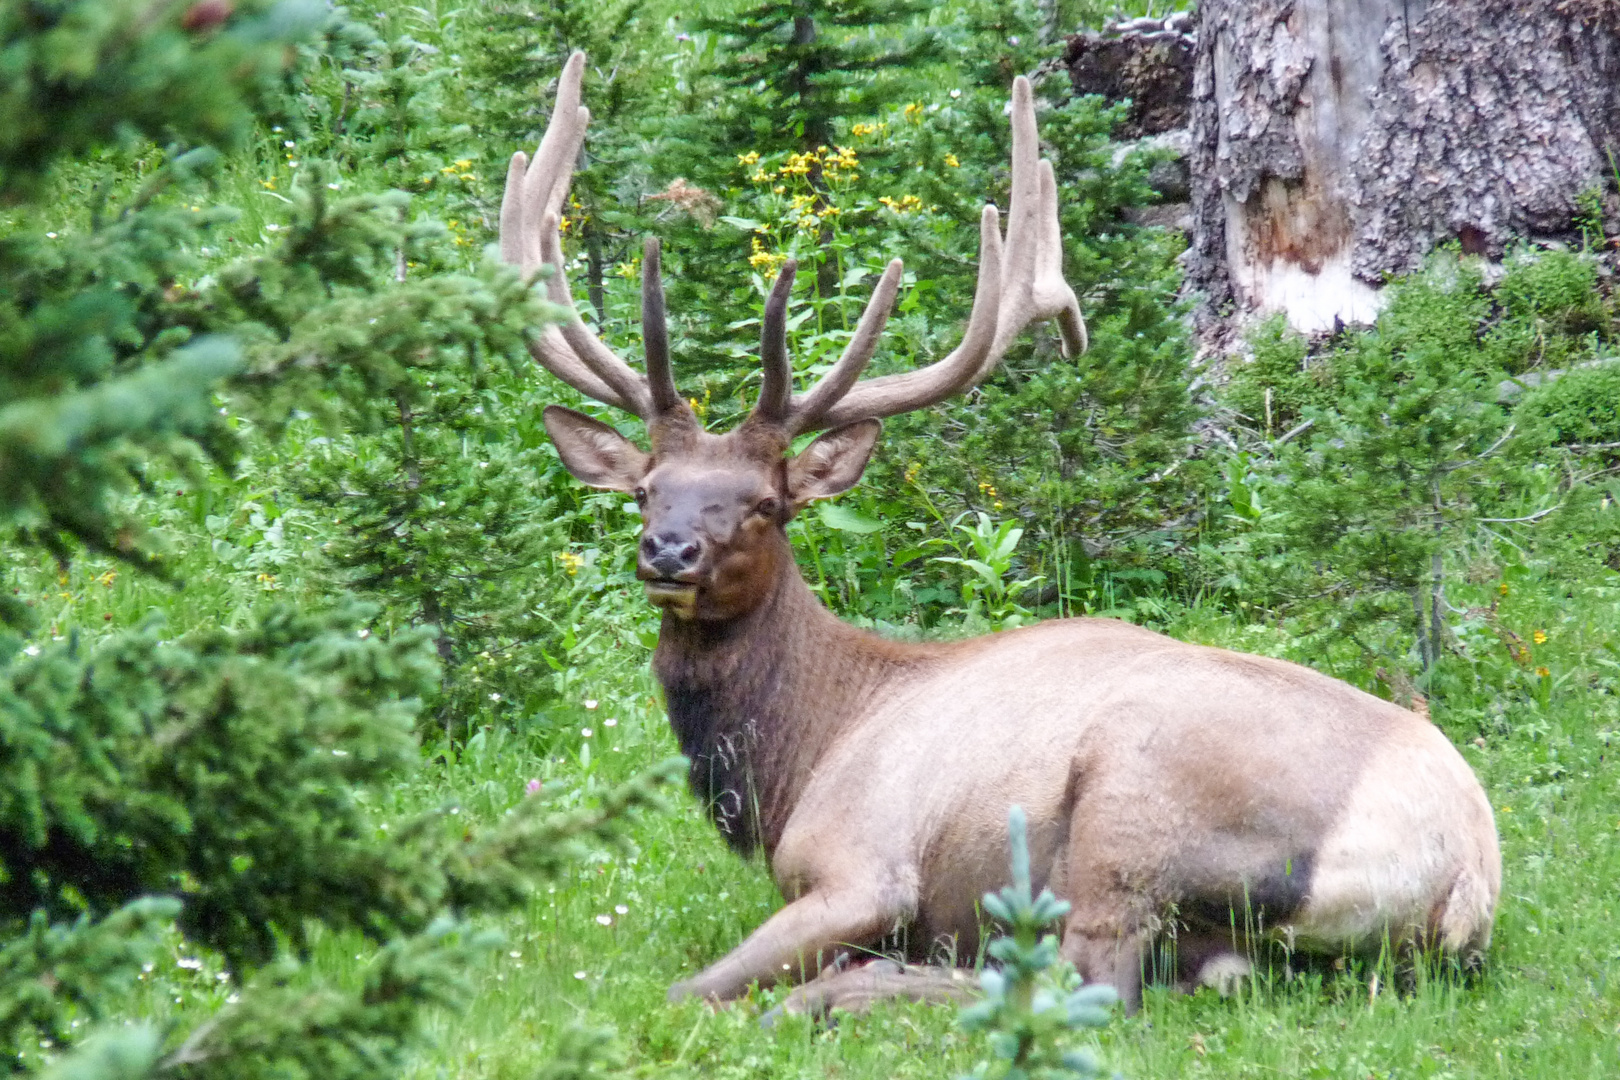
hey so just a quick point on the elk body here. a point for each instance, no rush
(1171, 789)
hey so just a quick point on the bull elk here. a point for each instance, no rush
(1171, 789)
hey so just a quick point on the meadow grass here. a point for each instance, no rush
(600, 947)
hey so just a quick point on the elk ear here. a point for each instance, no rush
(831, 465)
(595, 453)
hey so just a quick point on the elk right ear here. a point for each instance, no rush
(595, 453)
(831, 465)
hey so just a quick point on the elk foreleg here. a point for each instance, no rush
(797, 941)
(1112, 957)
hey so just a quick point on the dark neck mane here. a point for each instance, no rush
(756, 701)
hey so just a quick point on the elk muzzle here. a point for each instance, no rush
(669, 566)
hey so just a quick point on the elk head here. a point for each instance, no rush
(714, 506)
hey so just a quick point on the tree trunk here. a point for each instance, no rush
(1336, 142)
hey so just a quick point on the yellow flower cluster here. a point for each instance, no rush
(570, 561)
(458, 232)
(837, 163)
(905, 204)
(629, 270)
(842, 159)
(950, 159)
(765, 262)
(460, 169)
(914, 113)
(861, 131)
(913, 471)
(990, 490)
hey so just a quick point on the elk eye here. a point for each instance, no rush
(767, 506)
(641, 496)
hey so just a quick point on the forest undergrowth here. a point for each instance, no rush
(1419, 508)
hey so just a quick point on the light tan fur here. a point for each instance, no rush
(1150, 770)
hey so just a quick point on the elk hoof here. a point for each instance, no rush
(692, 988)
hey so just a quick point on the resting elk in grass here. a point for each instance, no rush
(1171, 789)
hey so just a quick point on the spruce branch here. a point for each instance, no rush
(1035, 997)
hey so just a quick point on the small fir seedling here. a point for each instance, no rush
(1035, 997)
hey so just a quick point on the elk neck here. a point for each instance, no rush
(757, 700)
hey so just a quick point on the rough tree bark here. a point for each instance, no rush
(1335, 142)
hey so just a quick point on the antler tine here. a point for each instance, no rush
(655, 330)
(776, 372)
(889, 395)
(807, 410)
(1049, 291)
(1017, 286)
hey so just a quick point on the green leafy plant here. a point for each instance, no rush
(986, 551)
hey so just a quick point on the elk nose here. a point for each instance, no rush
(669, 555)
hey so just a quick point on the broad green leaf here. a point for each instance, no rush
(842, 518)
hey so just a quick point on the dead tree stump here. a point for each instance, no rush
(1336, 142)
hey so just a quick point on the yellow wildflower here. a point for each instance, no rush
(798, 165)
(913, 113)
(764, 261)
(270, 183)
(570, 561)
(748, 158)
(913, 471)
(760, 177)
(1539, 637)
(950, 159)
(629, 270)
(108, 578)
(861, 131)
(1543, 672)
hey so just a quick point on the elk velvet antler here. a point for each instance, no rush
(1020, 283)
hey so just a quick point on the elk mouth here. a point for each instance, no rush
(677, 597)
